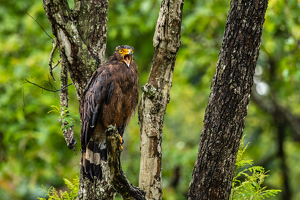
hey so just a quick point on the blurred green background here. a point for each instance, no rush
(32, 148)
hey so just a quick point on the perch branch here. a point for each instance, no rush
(118, 179)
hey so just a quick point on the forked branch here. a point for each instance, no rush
(118, 179)
(51, 58)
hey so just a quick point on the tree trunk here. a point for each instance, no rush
(81, 37)
(228, 101)
(156, 96)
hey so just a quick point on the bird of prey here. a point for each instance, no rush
(110, 98)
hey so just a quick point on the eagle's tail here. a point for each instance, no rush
(91, 160)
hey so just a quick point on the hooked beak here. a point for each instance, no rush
(127, 58)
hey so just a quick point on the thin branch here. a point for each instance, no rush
(51, 58)
(66, 126)
(56, 64)
(46, 88)
(118, 179)
(38, 24)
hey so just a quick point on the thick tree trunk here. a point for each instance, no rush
(156, 96)
(228, 101)
(78, 52)
(81, 37)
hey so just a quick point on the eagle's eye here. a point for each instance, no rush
(121, 51)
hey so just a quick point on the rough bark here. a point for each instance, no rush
(156, 95)
(228, 101)
(81, 37)
(67, 128)
(92, 20)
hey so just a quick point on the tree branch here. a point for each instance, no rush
(51, 58)
(271, 106)
(46, 88)
(118, 178)
(64, 99)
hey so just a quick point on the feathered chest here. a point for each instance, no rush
(126, 78)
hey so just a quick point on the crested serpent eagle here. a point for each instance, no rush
(110, 98)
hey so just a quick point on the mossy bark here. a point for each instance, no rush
(228, 101)
(81, 38)
(156, 96)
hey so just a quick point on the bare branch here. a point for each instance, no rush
(46, 88)
(38, 24)
(51, 58)
(118, 178)
(56, 64)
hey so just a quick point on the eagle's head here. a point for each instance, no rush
(125, 53)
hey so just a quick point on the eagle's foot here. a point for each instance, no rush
(121, 139)
(122, 142)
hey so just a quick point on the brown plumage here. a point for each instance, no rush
(110, 98)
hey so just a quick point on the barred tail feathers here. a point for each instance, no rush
(94, 153)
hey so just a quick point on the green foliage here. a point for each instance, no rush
(53, 194)
(251, 187)
(247, 184)
(54, 109)
(65, 116)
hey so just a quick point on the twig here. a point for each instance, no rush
(51, 58)
(46, 88)
(55, 65)
(38, 24)
(118, 178)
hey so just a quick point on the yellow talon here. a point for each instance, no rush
(121, 139)
(121, 142)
